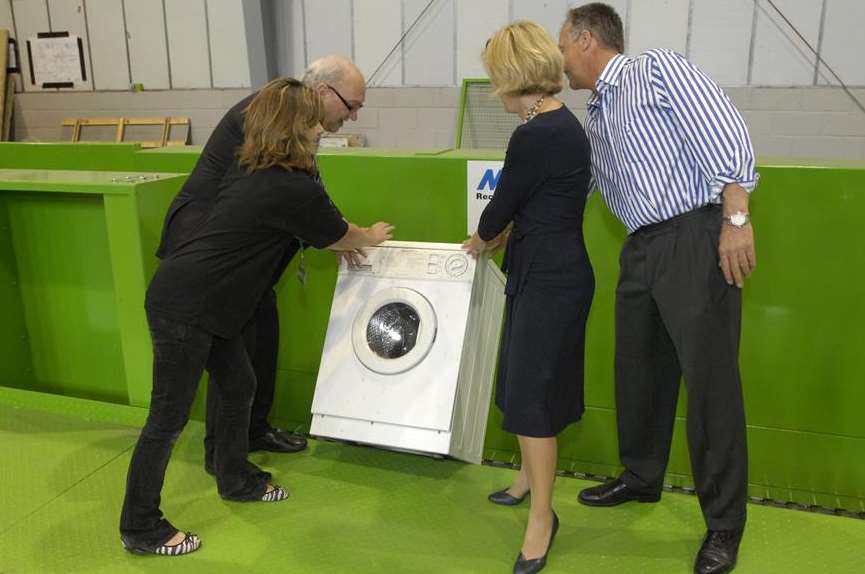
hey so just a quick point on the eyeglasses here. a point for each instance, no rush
(350, 107)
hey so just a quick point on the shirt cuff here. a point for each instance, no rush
(718, 184)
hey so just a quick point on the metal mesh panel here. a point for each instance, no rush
(486, 124)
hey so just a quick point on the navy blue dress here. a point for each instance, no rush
(542, 190)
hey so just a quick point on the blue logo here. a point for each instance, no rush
(490, 179)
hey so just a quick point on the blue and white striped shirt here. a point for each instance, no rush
(665, 138)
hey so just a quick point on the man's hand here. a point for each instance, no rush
(736, 251)
(737, 257)
(351, 258)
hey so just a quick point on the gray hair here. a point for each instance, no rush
(328, 70)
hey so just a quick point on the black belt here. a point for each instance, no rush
(661, 225)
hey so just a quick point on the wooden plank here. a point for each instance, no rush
(6, 20)
(476, 22)
(120, 129)
(7, 110)
(549, 14)
(713, 23)
(108, 42)
(228, 52)
(187, 43)
(843, 42)
(780, 57)
(658, 24)
(376, 32)
(289, 44)
(148, 47)
(31, 17)
(4, 55)
(68, 16)
(429, 48)
(108, 121)
(328, 28)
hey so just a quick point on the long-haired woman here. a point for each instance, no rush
(206, 291)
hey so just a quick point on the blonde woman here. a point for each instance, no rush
(208, 288)
(538, 210)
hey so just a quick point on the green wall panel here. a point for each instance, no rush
(169, 159)
(294, 391)
(66, 289)
(16, 366)
(803, 315)
(77, 254)
(81, 156)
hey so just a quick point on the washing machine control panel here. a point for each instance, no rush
(416, 263)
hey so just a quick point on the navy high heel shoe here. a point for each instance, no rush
(525, 566)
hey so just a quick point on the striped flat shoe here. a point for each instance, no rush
(276, 495)
(189, 544)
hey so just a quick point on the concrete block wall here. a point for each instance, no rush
(797, 123)
(38, 116)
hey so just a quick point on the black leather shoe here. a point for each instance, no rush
(277, 441)
(614, 493)
(719, 551)
(502, 497)
(524, 566)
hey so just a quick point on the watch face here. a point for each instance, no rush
(738, 219)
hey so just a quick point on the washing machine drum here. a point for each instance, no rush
(394, 331)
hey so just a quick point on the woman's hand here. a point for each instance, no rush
(498, 241)
(351, 258)
(379, 231)
(356, 238)
(475, 246)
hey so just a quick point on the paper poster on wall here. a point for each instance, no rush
(481, 180)
(56, 60)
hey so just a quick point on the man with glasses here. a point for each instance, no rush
(342, 89)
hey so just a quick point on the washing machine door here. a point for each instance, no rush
(394, 331)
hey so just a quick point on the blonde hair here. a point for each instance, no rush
(275, 126)
(521, 58)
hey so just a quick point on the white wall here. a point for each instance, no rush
(738, 42)
(790, 109)
(186, 44)
(182, 44)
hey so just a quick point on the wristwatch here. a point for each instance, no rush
(738, 219)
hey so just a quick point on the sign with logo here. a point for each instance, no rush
(481, 180)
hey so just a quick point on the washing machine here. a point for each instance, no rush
(410, 351)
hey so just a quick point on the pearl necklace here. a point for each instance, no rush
(533, 111)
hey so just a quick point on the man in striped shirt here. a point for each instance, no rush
(672, 158)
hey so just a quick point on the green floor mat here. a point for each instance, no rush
(42, 455)
(354, 510)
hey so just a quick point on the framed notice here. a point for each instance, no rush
(56, 60)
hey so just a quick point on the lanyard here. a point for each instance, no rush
(301, 268)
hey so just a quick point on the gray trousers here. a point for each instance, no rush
(677, 317)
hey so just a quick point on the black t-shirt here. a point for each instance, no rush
(192, 205)
(216, 278)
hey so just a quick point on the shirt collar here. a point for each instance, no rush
(610, 76)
